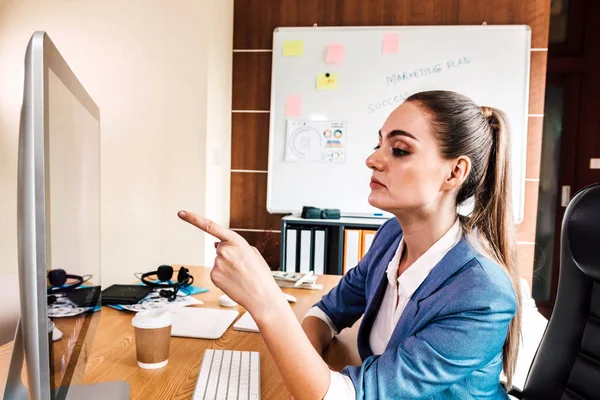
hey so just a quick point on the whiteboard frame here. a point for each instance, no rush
(518, 209)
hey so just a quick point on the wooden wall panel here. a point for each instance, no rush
(255, 19)
(267, 243)
(249, 202)
(537, 82)
(535, 130)
(254, 23)
(526, 229)
(250, 141)
(538, 18)
(251, 81)
(364, 13)
(415, 12)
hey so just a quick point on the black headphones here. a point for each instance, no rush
(164, 275)
(58, 279)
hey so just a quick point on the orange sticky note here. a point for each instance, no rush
(391, 43)
(293, 106)
(327, 81)
(335, 53)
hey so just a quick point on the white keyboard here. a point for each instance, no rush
(229, 375)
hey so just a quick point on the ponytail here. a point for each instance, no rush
(492, 219)
(482, 134)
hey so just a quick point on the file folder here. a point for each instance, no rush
(319, 258)
(290, 250)
(367, 240)
(305, 250)
(352, 248)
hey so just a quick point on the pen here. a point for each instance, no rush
(301, 280)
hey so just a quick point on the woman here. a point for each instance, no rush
(437, 291)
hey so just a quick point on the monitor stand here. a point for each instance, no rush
(117, 390)
(14, 389)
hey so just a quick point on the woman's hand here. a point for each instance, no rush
(239, 270)
(242, 273)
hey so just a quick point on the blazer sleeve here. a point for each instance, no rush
(346, 302)
(466, 335)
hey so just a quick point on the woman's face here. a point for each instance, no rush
(408, 171)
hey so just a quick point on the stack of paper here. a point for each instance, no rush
(289, 279)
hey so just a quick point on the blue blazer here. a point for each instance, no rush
(448, 341)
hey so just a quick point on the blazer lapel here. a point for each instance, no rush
(453, 261)
(373, 304)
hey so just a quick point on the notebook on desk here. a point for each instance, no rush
(246, 324)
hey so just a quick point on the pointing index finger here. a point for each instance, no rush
(210, 227)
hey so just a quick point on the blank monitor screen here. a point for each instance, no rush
(73, 220)
(74, 183)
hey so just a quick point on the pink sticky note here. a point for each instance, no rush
(293, 106)
(335, 53)
(391, 43)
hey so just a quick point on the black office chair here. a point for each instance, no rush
(567, 363)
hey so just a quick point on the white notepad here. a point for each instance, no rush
(246, 323)
(201, 323)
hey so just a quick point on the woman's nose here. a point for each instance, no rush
(374, 161)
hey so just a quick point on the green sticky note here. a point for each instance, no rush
(293, 48)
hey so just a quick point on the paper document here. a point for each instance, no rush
(316, 141)
(246, 324)
(154, 302)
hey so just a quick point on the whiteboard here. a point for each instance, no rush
(490, 64)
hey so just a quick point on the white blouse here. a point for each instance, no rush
(397, 294)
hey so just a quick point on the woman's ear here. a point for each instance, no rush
(459, 172)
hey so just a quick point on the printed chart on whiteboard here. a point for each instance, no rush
(316, 141)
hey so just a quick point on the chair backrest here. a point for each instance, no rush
(567, 363)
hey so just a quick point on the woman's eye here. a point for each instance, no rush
(377, 147)
(399, 152)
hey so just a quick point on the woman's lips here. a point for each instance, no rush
(376, 184)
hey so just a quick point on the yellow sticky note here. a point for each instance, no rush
(327, 81)
(293, 48)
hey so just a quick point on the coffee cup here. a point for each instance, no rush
(152, 338)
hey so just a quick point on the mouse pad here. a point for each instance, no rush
(201, 323)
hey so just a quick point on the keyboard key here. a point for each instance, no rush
(213, 377)
(203, 376)
(254, 375)
(234, 376)
(224, 376)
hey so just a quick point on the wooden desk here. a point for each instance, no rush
(112, 356)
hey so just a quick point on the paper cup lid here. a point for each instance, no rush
(152, 319)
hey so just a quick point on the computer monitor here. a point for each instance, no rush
(58, 228)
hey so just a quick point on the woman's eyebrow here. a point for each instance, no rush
(399, 132)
